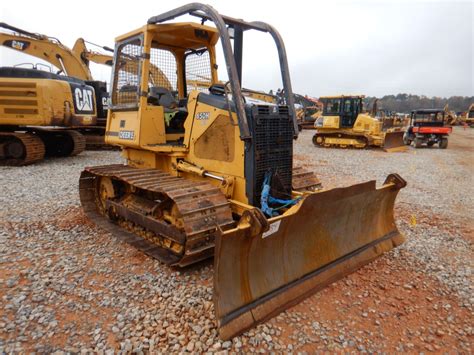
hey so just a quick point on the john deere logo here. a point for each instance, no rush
(84, 99)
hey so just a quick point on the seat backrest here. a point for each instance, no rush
(163, 97)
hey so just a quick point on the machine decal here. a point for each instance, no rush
(15, 44)
(274, 227)
(203, 115)
(83, 97)
(129, 135)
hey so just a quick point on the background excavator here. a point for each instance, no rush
(450, 117)
(33, 101)
(345, 124)
(469, 119)
(308, 111)
(217, 178)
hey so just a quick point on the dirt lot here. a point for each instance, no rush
(67, 285)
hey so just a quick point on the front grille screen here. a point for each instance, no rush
(271, 149)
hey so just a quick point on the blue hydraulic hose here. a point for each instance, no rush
(267, 199)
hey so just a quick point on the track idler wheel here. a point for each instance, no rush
(15, 149)
(105, 191)
(318, 141)
(20, 148)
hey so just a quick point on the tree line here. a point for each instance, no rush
(405, 103)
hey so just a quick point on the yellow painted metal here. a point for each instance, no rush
(366, 131)
(311, 235)
(39, 102)
(344, 142)
(51, 51)
(330, 122)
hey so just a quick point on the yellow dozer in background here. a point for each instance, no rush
(208, 174)
(345, 124)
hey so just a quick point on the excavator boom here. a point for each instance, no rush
(46, 48)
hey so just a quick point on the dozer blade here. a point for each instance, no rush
(394, 142)
(323, 238)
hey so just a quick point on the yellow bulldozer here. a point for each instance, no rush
(208, 174)
(344, 124)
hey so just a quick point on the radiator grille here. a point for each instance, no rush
(18, 98)
(271, 149)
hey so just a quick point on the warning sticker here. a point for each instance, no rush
(273, 229)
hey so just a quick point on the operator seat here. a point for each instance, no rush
(161, 96)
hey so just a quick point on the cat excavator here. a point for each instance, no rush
(209, 174)
(469, 119)
(42, 112)
(344, 124)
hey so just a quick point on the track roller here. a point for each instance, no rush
(62, 143)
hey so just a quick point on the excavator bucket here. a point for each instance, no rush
(262, 266)
(394, 142)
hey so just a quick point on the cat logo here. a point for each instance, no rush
(105, 102)
(18, 45)
(84, 99)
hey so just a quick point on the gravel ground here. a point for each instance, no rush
(66, 285)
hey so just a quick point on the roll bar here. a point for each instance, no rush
(233, 58)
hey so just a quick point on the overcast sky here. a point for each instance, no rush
(370, 47)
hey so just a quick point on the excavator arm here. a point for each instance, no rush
(80, 49)
(46, 48)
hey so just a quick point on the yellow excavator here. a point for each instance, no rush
(42, 112)
(208, 174)
(344, 124)
(469, 119)
(451, 118)
(308, 111)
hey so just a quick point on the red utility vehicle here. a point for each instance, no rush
(427, 127)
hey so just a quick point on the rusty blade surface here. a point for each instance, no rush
(326, 236)
(394, 142)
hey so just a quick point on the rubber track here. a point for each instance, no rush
(35, 149)
(202, 206)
